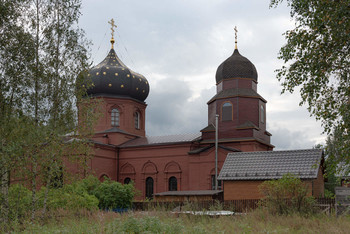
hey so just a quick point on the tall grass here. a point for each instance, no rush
(258, 221)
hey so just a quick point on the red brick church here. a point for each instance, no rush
(123, 152)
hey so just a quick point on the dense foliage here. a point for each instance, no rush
(112, 194)
(317, 60)
(286, 195)
(69, 197)
(88, 194)
(42, 50)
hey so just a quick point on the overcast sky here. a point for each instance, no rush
(178, 45)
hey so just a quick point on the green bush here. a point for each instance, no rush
(78, 195)
(328, 194)
(69, 199)
(89, 184)
(112, 194)
(88, 194)
(19, 201)
(287, 195)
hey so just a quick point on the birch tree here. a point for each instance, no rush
(42, 53)
(317, 60)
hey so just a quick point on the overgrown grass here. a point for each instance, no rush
(258, 221)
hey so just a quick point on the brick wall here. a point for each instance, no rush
(318, 186)
(236, 190)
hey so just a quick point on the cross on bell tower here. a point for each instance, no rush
(236, 37)
(111, 22)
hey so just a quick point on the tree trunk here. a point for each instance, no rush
(34, 174)
(48, 183)
(45, 197)
(36, 80)
(4, 217)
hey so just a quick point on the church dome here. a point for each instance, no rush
(236, 66)
(112, 78)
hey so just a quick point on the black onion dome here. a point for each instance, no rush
(236, 66)
(112, 78)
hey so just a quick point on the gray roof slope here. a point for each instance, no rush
(202, 149)
(209, 128)
(114, 129)
(155, 140)
(271, 164)
(248, 124)
(234, 92)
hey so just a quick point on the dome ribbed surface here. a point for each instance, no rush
(236, 66)
(112, 78)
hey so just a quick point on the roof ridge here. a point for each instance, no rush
(260, 165)
(277, 151)
(176, 135)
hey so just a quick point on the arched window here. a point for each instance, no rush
(104, 177)
(115, 117)
(149, 187)
(127, 180)
(226, 111)
(172, 183)
(262, 114)
(137, 119)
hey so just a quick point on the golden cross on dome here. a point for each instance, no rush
(111, 22)
(236, 37)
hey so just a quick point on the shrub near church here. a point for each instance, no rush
(287, 195)
(114, 195)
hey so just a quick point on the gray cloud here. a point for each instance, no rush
(284, 139)
(171, 112)
(177, 46)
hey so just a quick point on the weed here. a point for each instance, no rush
(258, 221)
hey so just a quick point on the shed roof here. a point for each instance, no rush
(189, 193)
(271, 164)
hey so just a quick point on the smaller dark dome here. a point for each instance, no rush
(236, 66)
(112, 78)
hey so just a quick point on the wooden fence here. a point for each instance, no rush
(326, 205)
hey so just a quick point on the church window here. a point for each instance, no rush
(213, 183)
(226, 111)
(137, 120)
(149, 187)
(104, 177)
(172, 183)
(262, 114)
(127, 180)
(115, 117)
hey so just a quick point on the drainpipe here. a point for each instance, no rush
(216, 150)
(117, 153)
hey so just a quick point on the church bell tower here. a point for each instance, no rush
(121, 95)
(241, 110)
